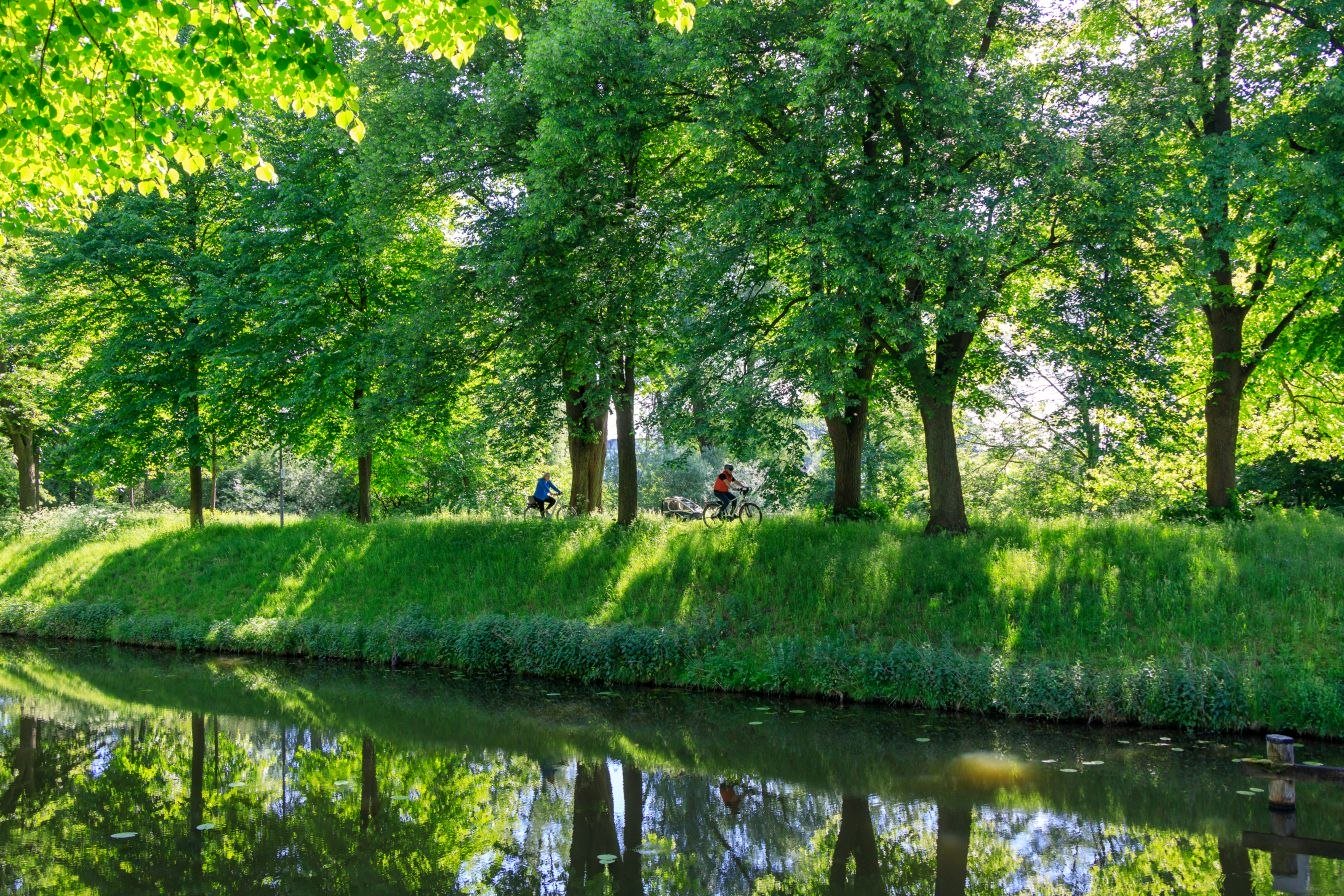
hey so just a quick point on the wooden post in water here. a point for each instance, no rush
(1291, 871)
(1282, 791)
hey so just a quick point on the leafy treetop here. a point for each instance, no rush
(100, 95)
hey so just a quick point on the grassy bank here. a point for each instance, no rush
(1221, 627)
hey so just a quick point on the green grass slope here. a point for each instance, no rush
(1231, 626)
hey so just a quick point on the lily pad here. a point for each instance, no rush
(1069, 771)
(552, 693)
(1123, 742)
(921, 740)
(124, 835)
(1094, 762)
(606, 858)
(1048, 761)
(1178, 749)
(756, 722)
(797, 712)
(1315, 764)
(1246, 793)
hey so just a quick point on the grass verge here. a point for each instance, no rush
(1227, 627)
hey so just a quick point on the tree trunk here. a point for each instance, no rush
(364, 511)
(847, 433)
(214, 477)
(627, 482)
(25, 452)
(856, 839)
(1222, 404)
(947, 504)
(363, 501)
(847, 428)
(586, 422)
(954, 844)
(197, 501)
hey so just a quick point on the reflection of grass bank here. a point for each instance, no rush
(1217, 626)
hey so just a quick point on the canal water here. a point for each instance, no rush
(134, 772)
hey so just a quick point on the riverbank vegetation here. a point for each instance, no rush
(1223, 626)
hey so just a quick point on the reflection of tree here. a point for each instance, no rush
(24, 781)
(368, 784)
(954, 845)
(629, 875)
(1235, 864)
(196, 797)
(594, 830)
(855, 840)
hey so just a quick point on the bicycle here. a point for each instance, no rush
(559, 511)
(739, 508)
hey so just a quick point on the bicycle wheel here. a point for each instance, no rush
(712, 515)
(563, 512)
(532, 511)
(750, 513)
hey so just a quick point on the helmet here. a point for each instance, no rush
(728, 467)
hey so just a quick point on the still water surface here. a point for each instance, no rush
(130, 772)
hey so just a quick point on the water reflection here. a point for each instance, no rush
(241, 777)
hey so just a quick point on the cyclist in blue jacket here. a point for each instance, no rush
(544, 493)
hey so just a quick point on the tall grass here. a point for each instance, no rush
(1226, 626)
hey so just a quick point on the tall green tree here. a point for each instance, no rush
(145, 270)
(1233, 97)
(894, 168)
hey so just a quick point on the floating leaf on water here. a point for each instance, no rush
(1048, 761)
(921, 740)
(123, 835)
(797, 712)
(1256, 789)
(756, 722)
(606, 693)
(606, 858)
(764, 708)
(1178, 749)
(1071, 771)
(1122, 742)
(1094, 762)
(1164, 738)
(207, 826)
(1314, 764)
(552, 693)
(1246, 793)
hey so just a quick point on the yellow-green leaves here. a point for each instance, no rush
(98, 96)
(266, 173)
(680, 14)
